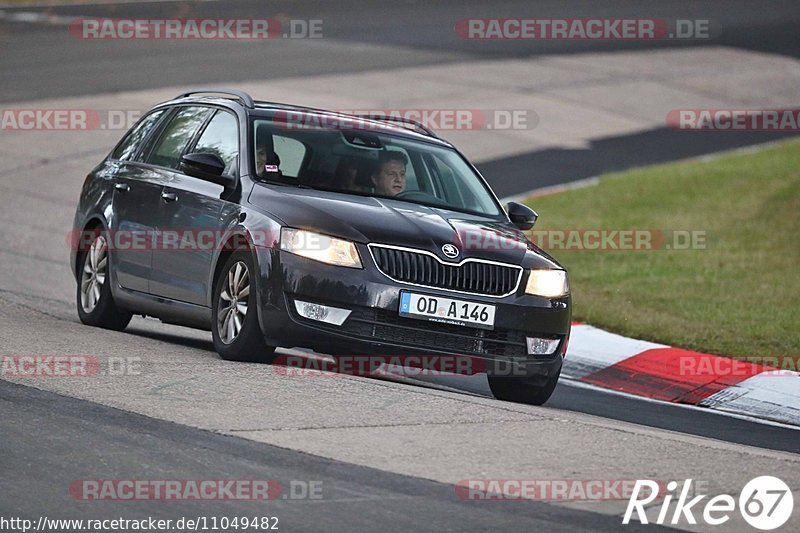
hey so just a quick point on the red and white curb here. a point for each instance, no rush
(660, 372)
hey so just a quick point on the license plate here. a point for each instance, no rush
(446, 310)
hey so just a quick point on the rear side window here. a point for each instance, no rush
(177, 134)
(136, 137)
(292, 153)
(221, 137)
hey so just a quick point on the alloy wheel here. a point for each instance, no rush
(232, 306)
(93, 275)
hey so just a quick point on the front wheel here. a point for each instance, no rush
(237, 335)
(95, 303)
(523, 390)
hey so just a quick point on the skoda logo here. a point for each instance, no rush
(450, 251)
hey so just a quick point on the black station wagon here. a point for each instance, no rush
(275, 225)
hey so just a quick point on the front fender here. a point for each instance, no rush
(255, 232)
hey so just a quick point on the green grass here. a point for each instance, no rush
(740, 296)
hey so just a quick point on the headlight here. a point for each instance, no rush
(547, 283)
(320, 247)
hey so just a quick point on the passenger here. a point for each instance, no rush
(389, 176)
(267, 161)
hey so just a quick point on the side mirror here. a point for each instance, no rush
(521, 216)
(207, 166)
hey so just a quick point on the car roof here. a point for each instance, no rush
(390, 125)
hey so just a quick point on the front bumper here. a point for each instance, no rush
(375, 327)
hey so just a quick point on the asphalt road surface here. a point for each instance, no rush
(393, 34)
(67, 438)
(44, 60)
(387, 452)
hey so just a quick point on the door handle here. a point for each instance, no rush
(169, 196)
(124, 187)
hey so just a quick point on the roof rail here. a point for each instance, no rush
(242, 96)
(401, 120)
(378, 117)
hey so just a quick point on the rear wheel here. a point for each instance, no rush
(95, 303)
(523, 390)
(237, 335)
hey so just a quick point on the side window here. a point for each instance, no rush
(221, 137)
(136, 137)
(292, 152)
(180, 130)
(454, 190)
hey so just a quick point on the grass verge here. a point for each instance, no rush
(738, 296)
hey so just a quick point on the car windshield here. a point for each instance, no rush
(368, 163)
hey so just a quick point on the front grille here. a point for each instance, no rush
(473, 276)
(381, 325)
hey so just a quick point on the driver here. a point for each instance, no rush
(389, 176)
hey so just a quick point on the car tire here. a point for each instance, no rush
(95, 303)
(523, 390)
(235, 329)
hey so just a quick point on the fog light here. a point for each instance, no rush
(542, 346)
(321, 313)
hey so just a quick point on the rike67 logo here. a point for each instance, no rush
(766, 503)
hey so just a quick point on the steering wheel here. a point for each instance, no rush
(416, 195)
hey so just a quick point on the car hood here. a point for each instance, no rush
(368, 220)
